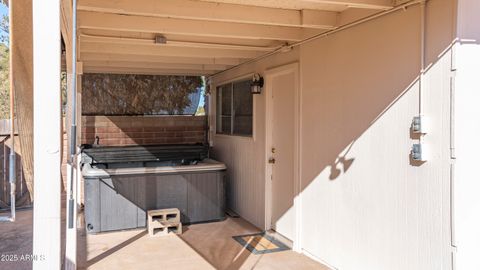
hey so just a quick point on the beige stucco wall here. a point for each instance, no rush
(364, 203)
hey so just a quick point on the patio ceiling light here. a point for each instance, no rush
(160, 39)
(257, 84)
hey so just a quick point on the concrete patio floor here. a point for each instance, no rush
(16, 239)
(201, 246)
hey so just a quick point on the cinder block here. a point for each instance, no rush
(164, 228)
(170, 215)
(162, 231)
(164, 222)
(173, 227)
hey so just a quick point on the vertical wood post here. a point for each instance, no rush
(47, 134)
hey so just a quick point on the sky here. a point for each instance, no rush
(3, 11)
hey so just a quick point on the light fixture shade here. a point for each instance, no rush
(257, 84)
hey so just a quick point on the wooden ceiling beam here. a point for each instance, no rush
(207, 11)
(366, 4)
(87, 57)
(141, 65)
(88, 47)
(172, 43)
(186, 27)
(146, 71)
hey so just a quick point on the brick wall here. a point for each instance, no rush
(143, 130)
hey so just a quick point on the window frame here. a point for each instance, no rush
(218, 116)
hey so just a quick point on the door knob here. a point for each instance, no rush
(271, 160)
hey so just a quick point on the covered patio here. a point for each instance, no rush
(201, 246)
(330, 127)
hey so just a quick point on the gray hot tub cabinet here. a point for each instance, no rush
(118, 199)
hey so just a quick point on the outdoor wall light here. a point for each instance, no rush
(160, 39)
(257, 84)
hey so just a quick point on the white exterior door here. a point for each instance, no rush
(282, 153)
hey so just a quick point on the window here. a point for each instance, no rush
(235, 109)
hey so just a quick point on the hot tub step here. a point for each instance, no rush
(170, 214)
(161, 230)
(164, 221)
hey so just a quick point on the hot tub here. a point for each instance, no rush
(123, 183)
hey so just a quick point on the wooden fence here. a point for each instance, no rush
(22, 191)
(5, 127)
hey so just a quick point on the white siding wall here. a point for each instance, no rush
(467, 132)
(245, 191)
(359, 93)
(245, 157)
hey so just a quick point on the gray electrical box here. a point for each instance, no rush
(419, 152)
(419, 124)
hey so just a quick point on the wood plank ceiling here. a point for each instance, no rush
(202, 36)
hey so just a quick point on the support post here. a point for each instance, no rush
(71, 230)
(47, 135)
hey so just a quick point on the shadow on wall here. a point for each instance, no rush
(348, 89)
(351, 105)
(357, 165)
(341, 163)
(360, 92)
